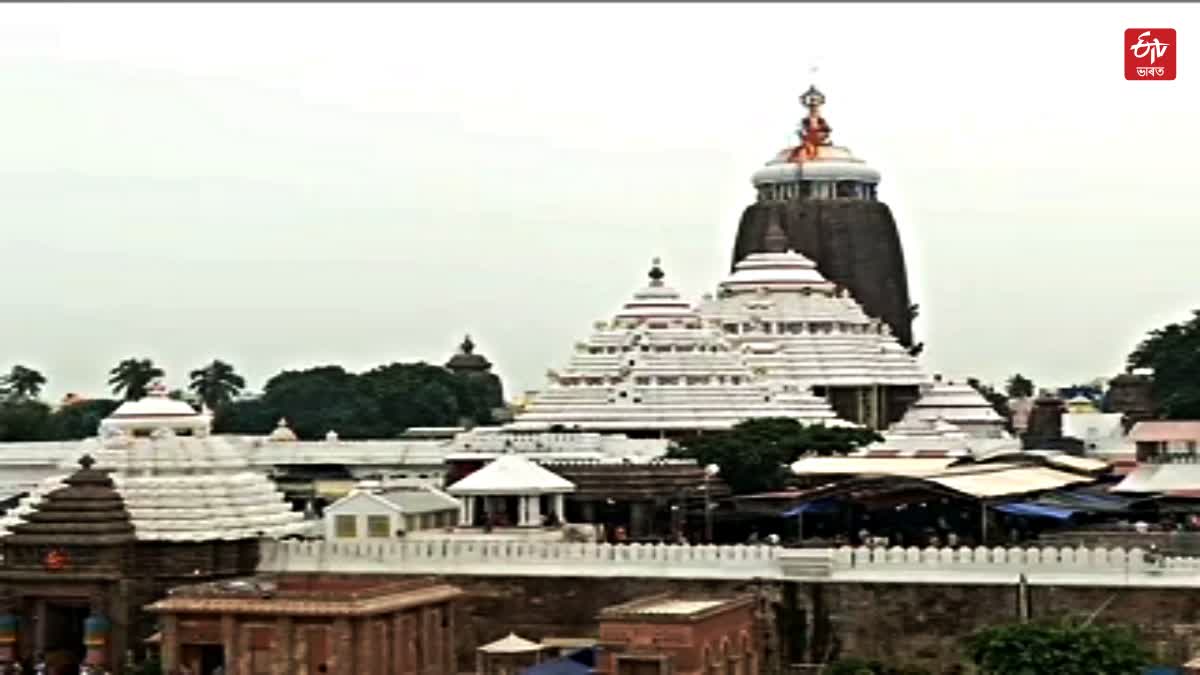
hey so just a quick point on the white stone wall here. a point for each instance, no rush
(1040, 566)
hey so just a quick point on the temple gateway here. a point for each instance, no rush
(154, 502)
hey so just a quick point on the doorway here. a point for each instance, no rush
(63, 634)
(202, 659)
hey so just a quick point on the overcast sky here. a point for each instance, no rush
(283, 186)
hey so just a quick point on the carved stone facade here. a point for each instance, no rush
(302, 625)
(75, 578)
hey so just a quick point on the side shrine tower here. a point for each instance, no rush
(824, 200)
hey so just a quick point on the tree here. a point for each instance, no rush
(79, 420)
(1062, 649)
(1173, 351)
(755, 455)
(130, 378)
(216, 384)
(1019, 386)
(23, 419)
(22, 382)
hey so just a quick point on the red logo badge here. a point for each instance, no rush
(1150, 53)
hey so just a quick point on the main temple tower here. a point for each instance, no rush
(824, 200)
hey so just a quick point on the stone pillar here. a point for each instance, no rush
(466, 511)
(229, 642)
(523, 510)
(559, 508)
(281, 658)
(39, 628)
(169, 647)
(364, 648)
(535, 510)
(342, 660)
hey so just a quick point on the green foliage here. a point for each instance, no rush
(754, 455)
(130, 378)
(78, 420)
(1174, 353)
(380, 403)
(1062, 649)
(1019, 386)
(216, 384)
(22, 382)
(23, 419)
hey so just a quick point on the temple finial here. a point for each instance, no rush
(656, 273)
(813, 131)
(467, 345)
(87, 462)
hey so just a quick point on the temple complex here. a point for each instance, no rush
(659, 369)
(792, 324)
(824, 199)
(153, 502)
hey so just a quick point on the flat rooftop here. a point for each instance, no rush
(670, 608)
(304, 595)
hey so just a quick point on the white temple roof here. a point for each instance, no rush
(791, 323)
(958, 404)
(178, 482)
(658, 367)
(511, 475)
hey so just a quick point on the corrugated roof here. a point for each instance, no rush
(1161, 430)
(425, 500)
(1011, 480)
(872, 466)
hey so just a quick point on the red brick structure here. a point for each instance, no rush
(301, 625)
(665, 635)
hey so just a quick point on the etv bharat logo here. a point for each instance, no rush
(1150, 54)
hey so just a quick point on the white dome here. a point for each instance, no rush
(832, 163)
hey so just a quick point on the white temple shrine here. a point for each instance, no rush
(958, 404)
(791, 323)
(511, 491)
(179, 483)
(657, 368)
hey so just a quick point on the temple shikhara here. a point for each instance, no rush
(825, 201)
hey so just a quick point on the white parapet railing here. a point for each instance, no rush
(518, 558)
(1039, 566)
(968, 566)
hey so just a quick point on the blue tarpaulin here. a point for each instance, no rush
(1033, 509)
(579, 663)
(815, 506)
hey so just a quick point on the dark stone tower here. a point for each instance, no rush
(824, 200)
(485, 386)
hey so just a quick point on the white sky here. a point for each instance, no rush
(283, 186)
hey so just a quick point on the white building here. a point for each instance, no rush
(657, 368)
(511, 491)
(389, 513)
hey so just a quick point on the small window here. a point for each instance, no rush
(379, 527)
(346, 527)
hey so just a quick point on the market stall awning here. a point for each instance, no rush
(815, 506)
(1035, 509)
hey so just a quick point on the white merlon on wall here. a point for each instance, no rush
(973, 566)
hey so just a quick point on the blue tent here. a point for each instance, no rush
(576, 663)
(815, 506)
(1035, 509)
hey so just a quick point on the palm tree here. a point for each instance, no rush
(216, 384)
(22, 382)
(132, 376)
